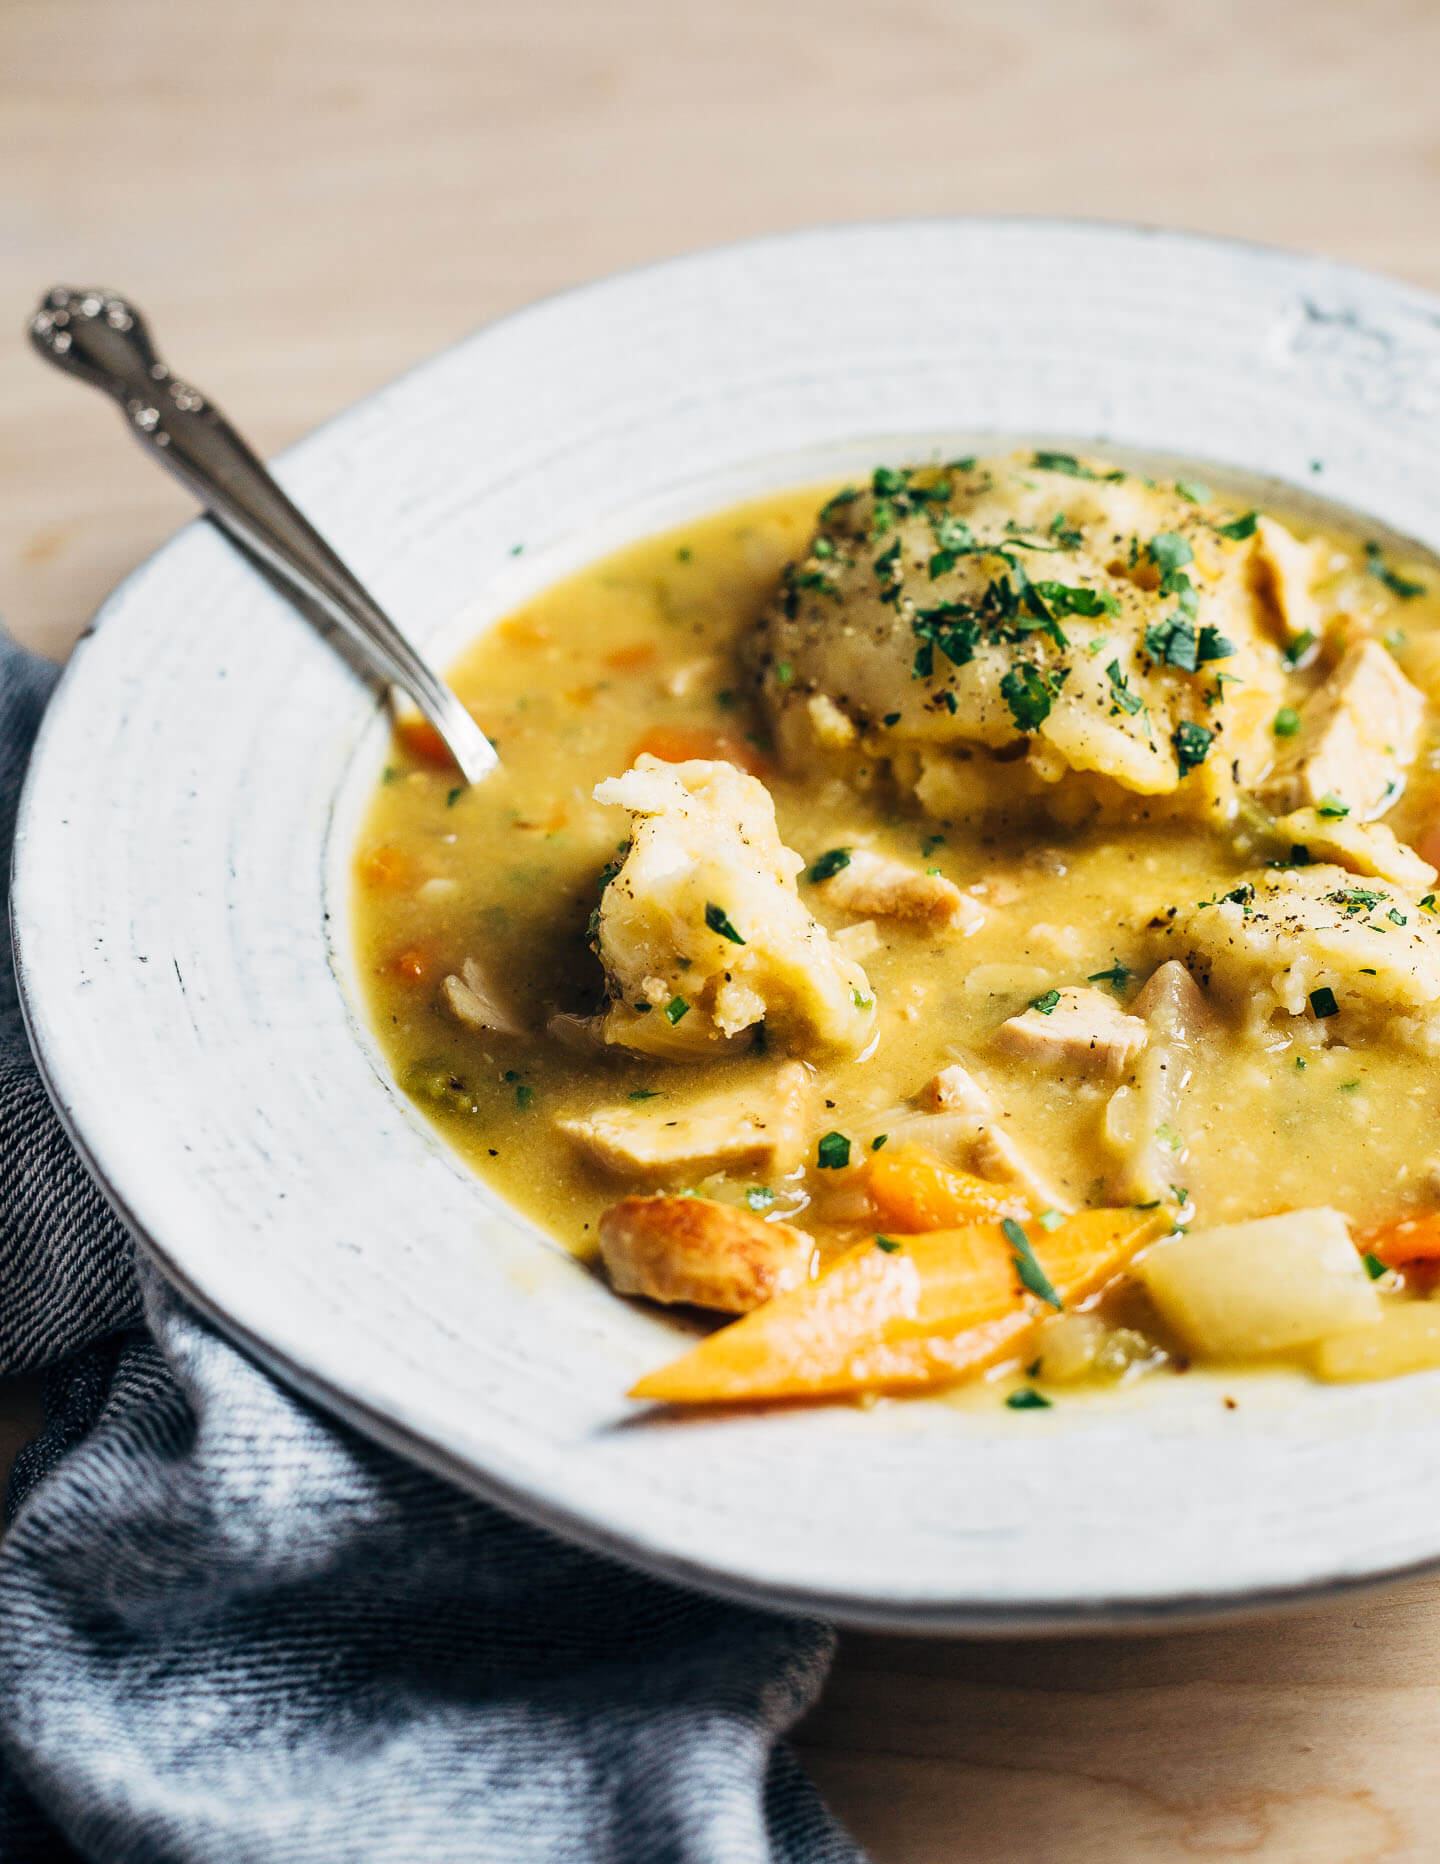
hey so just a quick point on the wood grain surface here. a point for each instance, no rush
(309, 196)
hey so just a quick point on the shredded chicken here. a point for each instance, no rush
(881, 887)
(1357, 738)
(1072, 1028)
(703, 1253)
(765, 1123)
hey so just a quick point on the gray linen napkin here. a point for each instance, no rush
(230, 1628)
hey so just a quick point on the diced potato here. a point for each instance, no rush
(1249, 1290)
(1407, 1339)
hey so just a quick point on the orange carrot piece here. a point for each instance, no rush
(413, 965)
(911, 1189)
(420, 739)
(678, 744)
(1412, 1238)
(634, 658)
(390, 870)
(920, 1314)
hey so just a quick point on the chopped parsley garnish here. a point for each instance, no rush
(1029, 695)
(878, 1141)
(1050, 1219)
(784, 673)
(822, 548)
(1374, 1267)
(1403, 586)
(524, 1097)
(889, 573)
(1396, 918)
(453, 796)
(1358, 900)
(1173, 642)
(1297, 649)
(1074, 599)
(1213, 646)
(830, 864)
(1322, 1002)
(1120, 692)
(1065, 533)
(1192, 745)
(888, 1244)
(1046, 1002)
(1044, 461)
(759, 1197)
(1331, 807)
(860, 1000)
(1028, 1399)
(1394, 639)
(675, 1009)
(1193, 491)
(1286, 722)
(891, 718)
(1427, 905)
(718, 921)
(1350, 1087)
(1169, 551)
(1240, 528)
(644, 1093)
(1031, 1274)
(833, 1152)
(846, 496)
(1118, 976)
(931, 843)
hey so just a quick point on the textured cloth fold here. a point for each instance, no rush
(233, 1629)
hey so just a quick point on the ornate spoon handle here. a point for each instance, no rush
(105, 341)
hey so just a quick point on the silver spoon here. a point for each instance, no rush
(105, 341)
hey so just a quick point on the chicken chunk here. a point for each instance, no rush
(875, 885)
(1358, 736)
(1074, 1028)
(702, 1253)
(764, 1123)
(955, 1090)
(472, 999)
(1359, 847)
(1026, 637)
(702, 932)
(1285, 571)
(1287, 941)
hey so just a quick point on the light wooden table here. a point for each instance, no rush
(309, 196)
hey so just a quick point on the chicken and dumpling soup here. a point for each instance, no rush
(978, 921)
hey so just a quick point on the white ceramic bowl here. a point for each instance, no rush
(181, 914)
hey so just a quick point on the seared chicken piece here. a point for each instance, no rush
(876, 886)
(1317, 939)
(1357, 738)
(706, 1254)
(760, 1124)
(472, 999)
(702, 932)
(1074, 1028)
(1359, 847)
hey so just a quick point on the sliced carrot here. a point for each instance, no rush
(1413, 1238)
(921, 1313)
(677, 744)
(389, 870)
(634, 658)
(414, 965)
(420, 738)
(911, 1189)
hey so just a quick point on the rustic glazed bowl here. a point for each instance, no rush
(182, 915)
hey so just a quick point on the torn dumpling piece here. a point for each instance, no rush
(878, 886)
(1358, 736)
(1311, 940)
(702, 932)
(765, 1123)
(1074, 1028)
(1360, 847)
(700, 1252)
